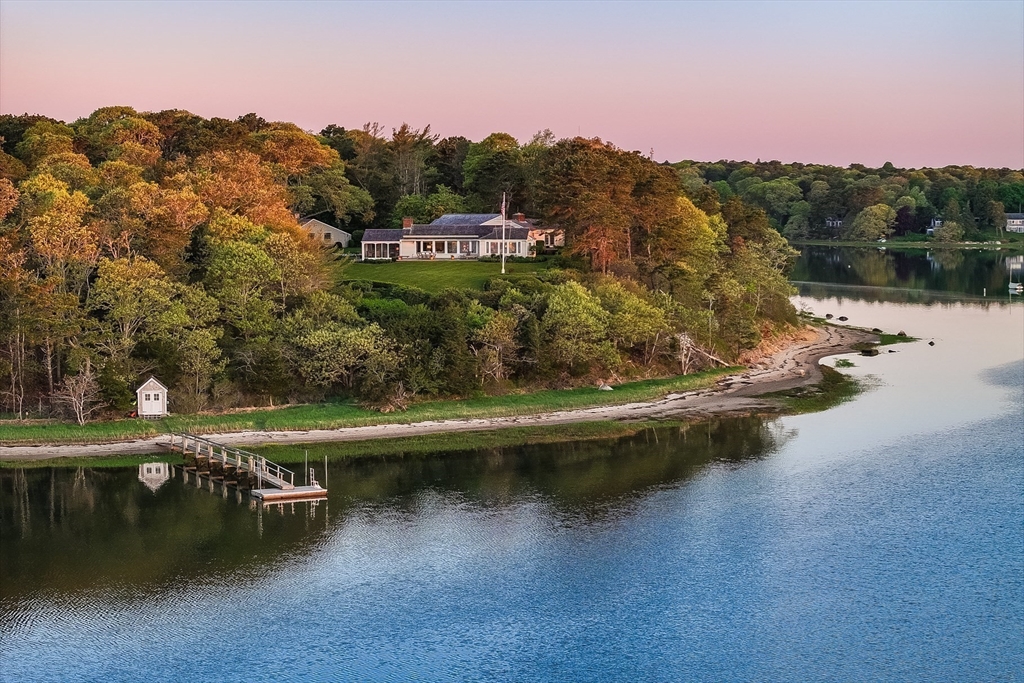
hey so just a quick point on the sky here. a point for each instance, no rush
(915, 83)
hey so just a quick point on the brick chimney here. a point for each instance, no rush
(519, 217)
(407, 222)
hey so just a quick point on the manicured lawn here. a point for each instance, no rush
(433, 276)
(337, 415)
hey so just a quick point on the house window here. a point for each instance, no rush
(327, 237)
(156, 397)
(453, 247)
(464, 247)
(439, 247)
(147, 398)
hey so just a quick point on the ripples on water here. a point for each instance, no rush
(881, 540)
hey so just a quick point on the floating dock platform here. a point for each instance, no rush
(289, 495)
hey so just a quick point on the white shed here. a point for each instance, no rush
(152, 398)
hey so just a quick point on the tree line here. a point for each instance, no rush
(136, 243)
(870, 203)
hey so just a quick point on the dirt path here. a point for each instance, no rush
(794, 366)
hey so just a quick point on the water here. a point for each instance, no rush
(940, 272)
(881, 540)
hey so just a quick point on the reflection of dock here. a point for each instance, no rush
(230, 466)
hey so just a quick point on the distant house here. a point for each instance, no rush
(152, 399)
(326, 234)
(934, 225)
(545, 237)
(832, 222)
(454, 236)
(1015, 222)
(154, 474)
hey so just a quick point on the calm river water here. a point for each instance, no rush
(880, 540)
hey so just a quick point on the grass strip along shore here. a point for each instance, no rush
(791, 381)
(340, 415)
(420, 445)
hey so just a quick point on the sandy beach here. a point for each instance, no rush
(795, 365)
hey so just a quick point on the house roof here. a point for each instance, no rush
(511, 233)
(151, 384)
(449, 230)
(383, 235)
(465, 218)
(1015, 216)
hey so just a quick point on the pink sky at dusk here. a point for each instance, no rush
(915, 83)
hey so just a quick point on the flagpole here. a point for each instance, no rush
(504, 244)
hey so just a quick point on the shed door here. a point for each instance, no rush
(151, 403)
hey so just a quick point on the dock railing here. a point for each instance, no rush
(228, 456)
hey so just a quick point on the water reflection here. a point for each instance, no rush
(68, 529)
(918, 276)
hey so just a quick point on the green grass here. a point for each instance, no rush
(885, 339)
(844, 363)
(833, 389)
(98, 461)
(433, 276)
(428, 444)
(337, 415)
(431, 444)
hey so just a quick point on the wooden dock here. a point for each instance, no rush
(265, 481)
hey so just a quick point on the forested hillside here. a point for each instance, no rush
(872, 203)
(136, 243)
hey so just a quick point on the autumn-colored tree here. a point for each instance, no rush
(240, 183)
(587, 188)
(8, 198)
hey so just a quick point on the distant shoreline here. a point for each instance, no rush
(898, 244)
(794, 366)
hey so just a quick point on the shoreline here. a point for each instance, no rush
(1010, 245)
(794, 366)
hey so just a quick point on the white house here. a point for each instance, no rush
(454, 236)
(152, 398)
(154, 474)
(1015, 222)
(544, 236)
(833, 222)
(327, 234)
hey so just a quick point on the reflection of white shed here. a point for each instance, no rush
(152, 398)
(154, 474)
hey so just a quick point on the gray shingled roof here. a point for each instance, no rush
(510, 234)
(378, 235)
(465, 218)
(453, 230)
(1015, 216)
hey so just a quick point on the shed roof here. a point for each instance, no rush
(151, 384)
(1015, 216)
